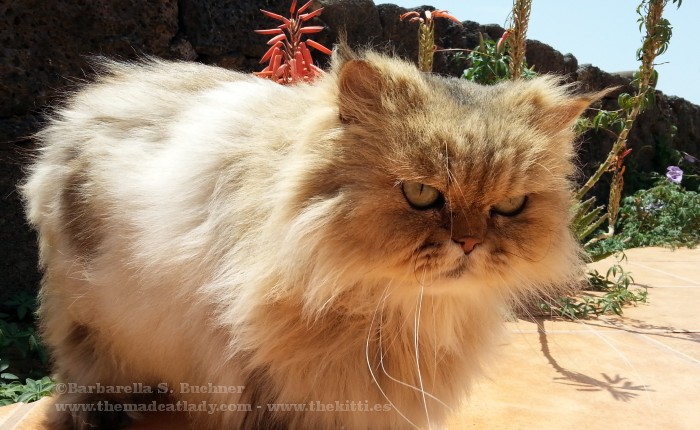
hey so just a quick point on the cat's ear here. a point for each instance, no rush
(554, 108)
(360, 86)
(563, 113)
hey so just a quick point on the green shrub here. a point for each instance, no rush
(613, 292)
(22, 357)
(664, 215)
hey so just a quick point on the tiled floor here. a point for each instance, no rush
(634, 373)
(637, 372)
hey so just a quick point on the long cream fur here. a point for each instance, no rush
(204, 226)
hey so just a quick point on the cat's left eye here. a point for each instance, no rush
(511, 206)
(422, 196)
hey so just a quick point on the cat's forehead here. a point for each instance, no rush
(455, 90)
(475, 114)
(470, 137)
(473, 167)
(464, 93)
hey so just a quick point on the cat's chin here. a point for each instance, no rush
(466, 284)
(461, 279)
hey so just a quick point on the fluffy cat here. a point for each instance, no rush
(353, 240)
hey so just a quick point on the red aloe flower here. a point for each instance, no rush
(429, 16)
(442, 14)
(500, 46)
(415, 16)
(289, 59)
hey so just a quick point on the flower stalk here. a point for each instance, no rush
(426, 35)
(655, 43)
(516, 36)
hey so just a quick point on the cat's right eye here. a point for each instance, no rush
(510, 207)
(422, 196)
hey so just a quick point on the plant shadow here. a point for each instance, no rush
(619, 387)
(632, 325)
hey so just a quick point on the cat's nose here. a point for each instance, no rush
(468, 243)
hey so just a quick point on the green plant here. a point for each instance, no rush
(493, 62)
(289, 59)
(490, 63)
(31, 391)
(18, 338)
(691, 169)
(612, 292)
(664, 215)
(23, 302)
(6, 377)
(654, 43)
(22, 357)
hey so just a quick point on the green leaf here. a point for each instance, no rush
(625, 101)
(27, 397)
(591, 228)
(9, 376)
(31, 384)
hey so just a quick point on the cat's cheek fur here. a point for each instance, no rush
(542, 244)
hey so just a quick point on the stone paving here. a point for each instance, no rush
(640, 371)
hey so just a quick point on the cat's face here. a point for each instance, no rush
(444, 184)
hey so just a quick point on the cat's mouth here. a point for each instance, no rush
(441, 261)
(458, 271)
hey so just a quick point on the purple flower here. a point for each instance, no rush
(674, 174)
(689, 158)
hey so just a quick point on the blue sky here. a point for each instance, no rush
(604, 33)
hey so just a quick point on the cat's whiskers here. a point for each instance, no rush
(437, 263)
(420, 389)
(401, 328)
(371, 371)
(454, 181)
(424, 265)
(416, 328)
(451, 179)
(383, 354)
(435, 334)
(537, 163)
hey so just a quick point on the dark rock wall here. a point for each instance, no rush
(45, 46)
(45, 43)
